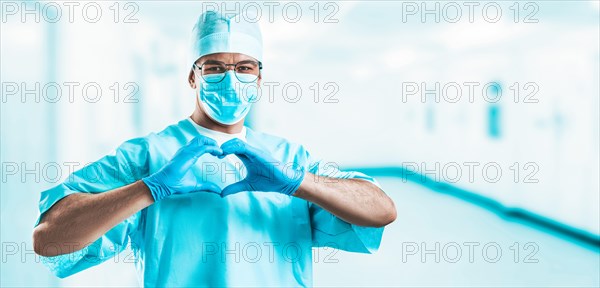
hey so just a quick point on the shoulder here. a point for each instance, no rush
(181, 131)
(173, 135)
(277, 146)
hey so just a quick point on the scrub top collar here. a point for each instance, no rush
(220, 137)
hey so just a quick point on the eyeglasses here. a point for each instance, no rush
(246, 71)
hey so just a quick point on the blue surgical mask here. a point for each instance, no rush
(229, 100)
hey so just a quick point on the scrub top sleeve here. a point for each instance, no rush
(126, 165)
(330, 231)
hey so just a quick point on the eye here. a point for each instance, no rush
(214, 68)
(245, 68)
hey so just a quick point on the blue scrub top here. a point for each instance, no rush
(201, 239)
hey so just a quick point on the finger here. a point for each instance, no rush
(186, 160)
(188, 155)
(191, 148)
(205, 140)
(239, 147)
(234, 146)
(213, 150)
(236, 188)
(200, 141)
(197, 144)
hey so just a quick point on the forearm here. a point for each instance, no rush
(353, 200)
(81, 218)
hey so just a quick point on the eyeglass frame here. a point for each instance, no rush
(226, 65)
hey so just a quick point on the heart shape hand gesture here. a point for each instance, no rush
(264, 173)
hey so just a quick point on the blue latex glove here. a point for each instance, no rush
(264, 173)
(176, 178)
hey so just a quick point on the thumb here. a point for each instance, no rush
(236, 188)
(207, 187)
(214, 150)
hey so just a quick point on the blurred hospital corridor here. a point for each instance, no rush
(479, 119)
(516, 254)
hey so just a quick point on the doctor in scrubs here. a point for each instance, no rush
(208, 201)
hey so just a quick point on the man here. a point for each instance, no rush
(170, 195)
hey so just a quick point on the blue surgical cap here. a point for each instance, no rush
(231, 33)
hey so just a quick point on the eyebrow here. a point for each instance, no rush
(216, 55)
(210, 61)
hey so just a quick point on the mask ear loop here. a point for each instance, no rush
(194, 66)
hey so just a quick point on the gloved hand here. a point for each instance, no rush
(176, 178)
(264, 173)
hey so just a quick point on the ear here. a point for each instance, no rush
(192, 79)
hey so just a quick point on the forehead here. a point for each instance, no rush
(225, 57)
